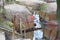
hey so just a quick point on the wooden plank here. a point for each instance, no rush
(10, 31)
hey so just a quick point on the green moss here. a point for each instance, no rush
(43, 6)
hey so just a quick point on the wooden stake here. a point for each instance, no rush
(13, 33)
(14, 21)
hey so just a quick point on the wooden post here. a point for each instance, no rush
(13, 33)
(20, 27)
(14, 21)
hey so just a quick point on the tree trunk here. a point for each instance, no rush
(58, 10)
(58, 19)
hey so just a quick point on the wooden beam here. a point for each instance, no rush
(30, 30)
